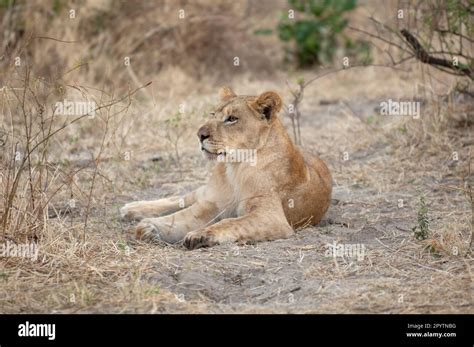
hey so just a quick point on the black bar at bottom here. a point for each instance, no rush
(398, 330)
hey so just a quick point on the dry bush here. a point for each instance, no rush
(33, 170)
(151, 34)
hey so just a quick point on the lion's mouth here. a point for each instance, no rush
(212, 155)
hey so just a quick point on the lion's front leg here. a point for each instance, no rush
(263, 224)
(145, 209)
(174, 227)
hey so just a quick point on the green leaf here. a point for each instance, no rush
(263, 32)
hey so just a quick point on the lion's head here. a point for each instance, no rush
(239, 122)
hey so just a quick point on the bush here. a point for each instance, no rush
(320, 32)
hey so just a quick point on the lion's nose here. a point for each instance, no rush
(203, 133)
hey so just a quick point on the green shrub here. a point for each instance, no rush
(421, 230)
(319, 32)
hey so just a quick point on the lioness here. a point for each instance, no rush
(244, 200)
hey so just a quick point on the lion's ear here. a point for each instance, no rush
(225, 93)
(268, 104)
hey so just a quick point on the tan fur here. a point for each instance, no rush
(243, 201)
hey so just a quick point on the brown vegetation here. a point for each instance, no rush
(63, 178)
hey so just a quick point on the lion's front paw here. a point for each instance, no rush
(145, 231)
(130, 212)
(200, 238)
(127, 212)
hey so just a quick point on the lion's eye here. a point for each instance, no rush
(230, 120)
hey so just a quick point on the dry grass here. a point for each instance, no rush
(130, 151)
